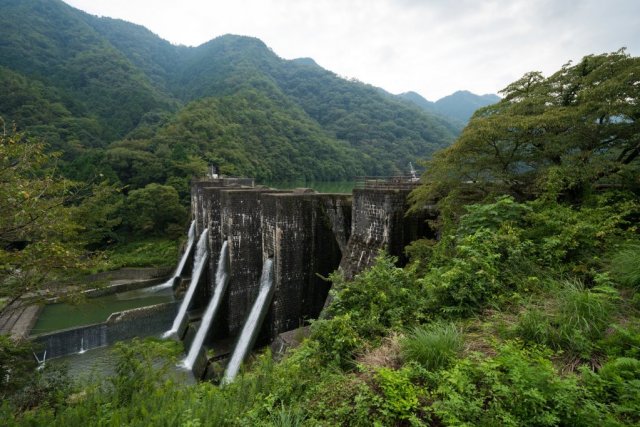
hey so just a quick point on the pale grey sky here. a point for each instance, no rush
(433, 47)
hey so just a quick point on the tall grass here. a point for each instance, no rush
(572, 320)
(585, 310)
(533, 326)
(433, 345)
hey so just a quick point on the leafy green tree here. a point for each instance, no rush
(99, 215)
(564, 134)
(153, 209)
(38, 238)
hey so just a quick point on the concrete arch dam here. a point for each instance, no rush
(303, 235)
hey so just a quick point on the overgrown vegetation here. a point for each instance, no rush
(506, 336)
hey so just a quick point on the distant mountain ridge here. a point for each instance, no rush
(460, 105)
(115, 98)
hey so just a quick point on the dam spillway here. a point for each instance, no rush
(305, 236)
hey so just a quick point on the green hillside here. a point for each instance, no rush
(47, 42)
(457, 107)
(91, 82)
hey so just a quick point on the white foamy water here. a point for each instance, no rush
(222, 278)
(199, 261)
(252, 325)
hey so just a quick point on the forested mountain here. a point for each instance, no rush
(118, 100)
(459, 106)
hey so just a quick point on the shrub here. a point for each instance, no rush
(517, 387)
(493, 215)
(625, 266)
(617, 384)
(152, 209)
(400, 396)
(381, 298)
(433, 346)
(337, 338)
(623, 341)
(484, 267)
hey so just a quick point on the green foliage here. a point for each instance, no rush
(38, 238)
(23, 387)
(16, 362)
(493, 216)
(582, 316)
(433, 345)
(92, 85)
(137, 369)
(153, 209)
(622, 341)
(148, 252)
(555, 136)
(381, 298)
(99, 215)
(517, 387)
(287, 418)
(258, 132)
(575, 321)
(400, 396)
(617, 384)
(481, 267)
(338, 338)
(625, 266)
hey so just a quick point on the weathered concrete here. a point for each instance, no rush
(128, 274)
(288, 340)
(241, 217)
(298, 234)
(206, 211)
(379, 222)
(18, 319)
(197, 195)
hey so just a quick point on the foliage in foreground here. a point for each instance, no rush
(557, 345)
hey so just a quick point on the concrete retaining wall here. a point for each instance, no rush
(139, 322)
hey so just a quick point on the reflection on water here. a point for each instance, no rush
(55, 317)
(100, 362)
(320, 186)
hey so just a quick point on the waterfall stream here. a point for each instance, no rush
(251, 327)
(222, 278)
(183, 261)
(199, 261)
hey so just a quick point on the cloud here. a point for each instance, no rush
(433, 47)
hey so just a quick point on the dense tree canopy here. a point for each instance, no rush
(90, 85)
(562, 134)
(38, 238)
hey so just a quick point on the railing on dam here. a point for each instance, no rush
(397, 182)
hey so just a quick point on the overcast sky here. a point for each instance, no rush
(433, 47)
